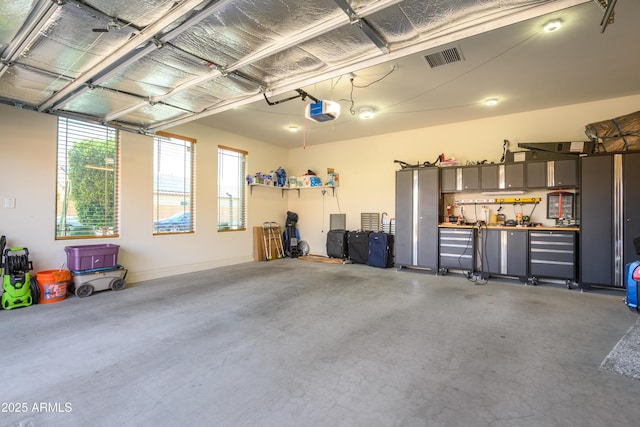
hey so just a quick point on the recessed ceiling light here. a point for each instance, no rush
(552, 26)
(366, 113)
(293, 129)
(490, 102)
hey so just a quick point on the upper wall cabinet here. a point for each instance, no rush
(536, 173)
(502, 177)
(455, 179)
(552, 174)
(448, 179)
(490, 175)
(514, 176)
(470, 178)
(510, 176)
(562, 173)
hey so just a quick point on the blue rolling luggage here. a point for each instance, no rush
(337, 244)
(380, 250)
(358, 246)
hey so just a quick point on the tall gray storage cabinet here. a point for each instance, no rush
(609, 217)
(417, 211)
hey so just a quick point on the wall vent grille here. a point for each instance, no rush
(444, 57)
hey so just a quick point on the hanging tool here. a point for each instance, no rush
(500, 217)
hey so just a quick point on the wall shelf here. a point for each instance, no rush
(283, 189)
(266, 186)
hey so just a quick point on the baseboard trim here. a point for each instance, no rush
(158, 273)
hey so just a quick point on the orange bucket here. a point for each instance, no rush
(53, 285)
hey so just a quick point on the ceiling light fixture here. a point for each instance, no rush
(552, 26)
(293, 129)
(491, 102)
(366, 113)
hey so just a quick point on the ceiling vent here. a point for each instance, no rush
(444, 57)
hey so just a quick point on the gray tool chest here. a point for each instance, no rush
(457, 247)
(552, 254)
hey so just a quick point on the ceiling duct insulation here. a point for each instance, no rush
(148, 114)
(151, 64)
(156, 74)
(68, 46)
(14, 14)
(139, 13)
(211, 93)
(29, 87)
(98, 102)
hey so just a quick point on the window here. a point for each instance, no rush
(173, 204)
(87, 183)
(232, 204)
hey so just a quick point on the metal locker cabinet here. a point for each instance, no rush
(596, 221)
(609, 218)
(631, 207)
(417, 211)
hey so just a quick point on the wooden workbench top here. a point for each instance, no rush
(503, 227)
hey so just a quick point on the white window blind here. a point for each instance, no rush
(173, 191)
(232, 204)
(87, 180)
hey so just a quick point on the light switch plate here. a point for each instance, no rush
(9, 203)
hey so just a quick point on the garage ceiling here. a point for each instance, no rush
(251, 67)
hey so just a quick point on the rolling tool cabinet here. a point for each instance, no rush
(457, 248)
(552, 254)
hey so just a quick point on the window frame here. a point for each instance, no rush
(71, 133)
(241, 188)
(167, 137)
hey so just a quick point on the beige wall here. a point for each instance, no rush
(27, 173)
(366, 168)
(367, 171)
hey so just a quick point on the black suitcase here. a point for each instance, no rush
(337, 244)
(358, 246)
(380, 250)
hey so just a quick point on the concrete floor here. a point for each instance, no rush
(299, 343)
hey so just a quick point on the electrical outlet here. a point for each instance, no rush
(9, 203)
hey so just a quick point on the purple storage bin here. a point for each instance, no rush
(88, 257)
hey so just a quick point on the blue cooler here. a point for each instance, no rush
(632, 278)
